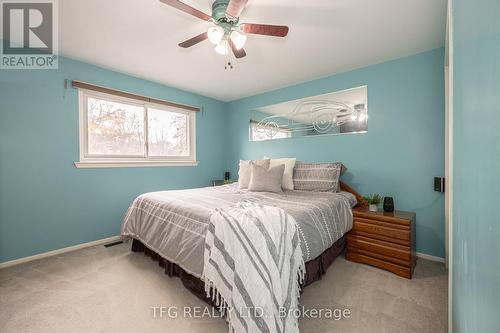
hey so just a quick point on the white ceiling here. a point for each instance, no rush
(140, 37)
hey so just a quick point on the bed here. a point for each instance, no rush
(170, 226)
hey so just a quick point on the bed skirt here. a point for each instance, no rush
(314, 268)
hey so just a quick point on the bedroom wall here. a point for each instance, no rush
(399, 156)
(45, 202)
(476, 166)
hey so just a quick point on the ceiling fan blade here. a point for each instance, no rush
(237, 53)
(187, 9)
(195, 40)
(235, 7)
(265, 29)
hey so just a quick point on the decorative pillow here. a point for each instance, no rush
(343, 168)
(287, 183)
(342, 171)
(318, 177)
(266, 180)
(245, 171)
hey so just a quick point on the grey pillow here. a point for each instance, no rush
(342, 171)
(318, 177)
(266, 180)
(246, 171)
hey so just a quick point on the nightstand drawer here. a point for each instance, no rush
(394, 268)
(386, 224)
(387, 249)
(399, 236)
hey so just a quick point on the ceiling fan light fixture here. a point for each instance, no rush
(239, 39)
(225, 32)
(215, 34)
(222, 47)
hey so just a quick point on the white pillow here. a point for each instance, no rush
(287, 182)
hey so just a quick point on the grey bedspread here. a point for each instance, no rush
(174, 223)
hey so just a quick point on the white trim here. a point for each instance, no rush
(449, 157)
(429, 257)
(131, 164)
(59, 251)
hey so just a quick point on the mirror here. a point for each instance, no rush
(340, 112)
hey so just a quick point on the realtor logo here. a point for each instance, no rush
(29, 34)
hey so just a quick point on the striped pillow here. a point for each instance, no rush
(318, 177)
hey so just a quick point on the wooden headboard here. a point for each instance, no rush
(359, 197)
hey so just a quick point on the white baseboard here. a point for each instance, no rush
(429, 257)
(59, 251)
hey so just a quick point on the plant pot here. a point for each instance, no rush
(373, 208)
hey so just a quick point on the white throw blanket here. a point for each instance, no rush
(254, 262)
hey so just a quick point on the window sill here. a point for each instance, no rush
(132, 164)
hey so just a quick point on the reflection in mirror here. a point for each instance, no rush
(334, 113)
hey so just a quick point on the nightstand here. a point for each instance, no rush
(221, 182)
(384, 240)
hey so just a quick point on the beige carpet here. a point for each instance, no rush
(113, 290)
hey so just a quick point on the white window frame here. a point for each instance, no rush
(112, 161)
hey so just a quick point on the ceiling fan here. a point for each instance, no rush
(225, 31)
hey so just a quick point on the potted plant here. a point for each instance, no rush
(373, 200)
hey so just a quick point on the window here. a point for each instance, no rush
(118, 131)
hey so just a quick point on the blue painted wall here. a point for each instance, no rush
(45, 202)
(476, 166)
(402, 151)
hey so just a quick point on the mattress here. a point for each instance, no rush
(174, 223)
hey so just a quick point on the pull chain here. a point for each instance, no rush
(229, 63)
